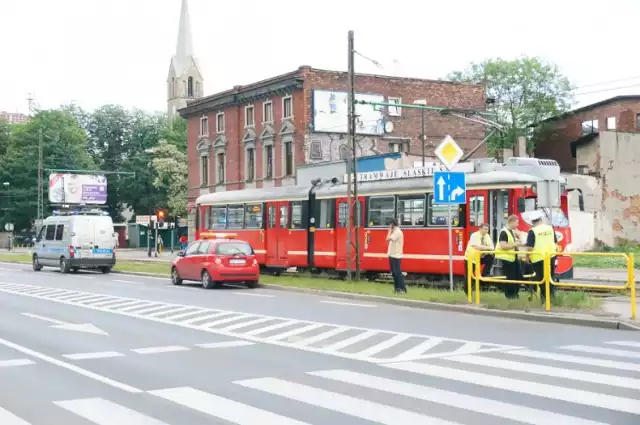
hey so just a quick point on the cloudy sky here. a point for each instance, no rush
(94, 52)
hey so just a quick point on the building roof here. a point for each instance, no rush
(606, 102)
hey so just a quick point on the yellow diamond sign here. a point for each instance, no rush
(449, 152)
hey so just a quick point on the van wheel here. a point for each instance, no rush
(207, 282)
(105, 270)
(75, 270)
(64, 266)
(175, 277)
(36, 265)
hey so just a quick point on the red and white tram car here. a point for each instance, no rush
(306, 226)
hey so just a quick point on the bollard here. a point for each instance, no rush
(631, 263)
(468, 283)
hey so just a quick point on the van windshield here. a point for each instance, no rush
(234, 248)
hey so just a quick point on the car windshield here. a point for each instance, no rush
(234, 248)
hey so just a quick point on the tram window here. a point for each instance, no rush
(411, 210)
(438, 214)
(206, 218)
(476, 213)
(343, 214)
(218, 218)
(284, 217)
(296, 215)
(253, 216)
(272, 217)
(381, 211)
(235, 216)
(327, 211)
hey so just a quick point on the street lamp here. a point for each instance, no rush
(8, 223)
(422, 102)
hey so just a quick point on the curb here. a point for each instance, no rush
(428, 305)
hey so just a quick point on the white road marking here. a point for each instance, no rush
(384, 345)
(222, 408)
(125, 281)
(225, 344)
(635, 344)
(349, 304)
(537, 389)
(356, 407)
(97, 355)
(82, 277)
(104, 412)
(157, 350)
(69, 366)
(251, 294)
(16, 362)
(8, 418)
(602, 350)
(238, 325)
(555, 372)
(520, 414)
(567, 358)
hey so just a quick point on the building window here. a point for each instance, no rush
(395, 111)
(220, 167)
(399, 146)
(267, 112)
(611, 123)
(288, 159)
(268, 155)
(251, 164)
(190, 87)
(590, 126)
(220, 122)
(249, 118)
(204, 170)
(287, 107)
(204, 126)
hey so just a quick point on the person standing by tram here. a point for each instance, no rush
(542, 240)
(508, 241)
(394, 251)
(480, 240)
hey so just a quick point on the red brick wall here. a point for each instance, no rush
(193, 160)
(557, 144)
(436, 93)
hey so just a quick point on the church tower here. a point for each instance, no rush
(184, 81)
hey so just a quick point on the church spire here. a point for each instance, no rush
(185, 80)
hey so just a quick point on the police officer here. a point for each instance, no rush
(479, 241)
(541, 240)
(508, 241)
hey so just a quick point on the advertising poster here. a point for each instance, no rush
(77, 189)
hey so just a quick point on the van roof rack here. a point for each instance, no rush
(80, 211)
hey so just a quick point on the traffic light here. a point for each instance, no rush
(161, 215)
(176, 222)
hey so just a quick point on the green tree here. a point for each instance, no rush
(170, 166)
(64, 146)
(527, 91)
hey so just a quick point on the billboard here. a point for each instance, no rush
(77, 189)
(331, 112)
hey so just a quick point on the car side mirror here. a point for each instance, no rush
(181, 254)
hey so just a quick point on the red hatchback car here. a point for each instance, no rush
(215, 260)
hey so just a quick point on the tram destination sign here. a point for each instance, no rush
(406, 173)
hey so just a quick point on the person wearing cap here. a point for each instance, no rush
(508, 241)
(541, 240)
(479, 240)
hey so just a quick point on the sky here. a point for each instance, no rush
(96, 52)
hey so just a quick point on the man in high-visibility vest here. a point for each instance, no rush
(508, 241)
(480, 240)
(541, 240)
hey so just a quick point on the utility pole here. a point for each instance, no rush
(422, 102)
(354, 210)
(40, 180)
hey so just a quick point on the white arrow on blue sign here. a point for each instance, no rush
(450, 188)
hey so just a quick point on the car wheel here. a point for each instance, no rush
(36, 265)
(105, 270)
(75, 269)
(64, 266)
(207, 283)
(253, 284)
(175, 277)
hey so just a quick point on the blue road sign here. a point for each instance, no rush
(449, 188)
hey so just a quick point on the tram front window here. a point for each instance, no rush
(558, 217)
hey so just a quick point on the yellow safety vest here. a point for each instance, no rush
(501, 254)
(470, 252)
(545, 242)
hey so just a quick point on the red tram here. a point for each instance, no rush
(306, 226)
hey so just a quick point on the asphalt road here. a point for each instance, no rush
(129, 350)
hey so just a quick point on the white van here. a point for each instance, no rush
(80, 241)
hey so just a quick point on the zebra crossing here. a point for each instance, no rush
(364, 344)
(506, 388)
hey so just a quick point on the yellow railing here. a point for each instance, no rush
(474, 279)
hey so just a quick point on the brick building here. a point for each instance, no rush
(620, 113)
(256, 135)
(13, 117)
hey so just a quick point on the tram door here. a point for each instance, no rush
(498, 212)
(277, 233)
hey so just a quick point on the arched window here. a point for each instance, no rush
(190, 87)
